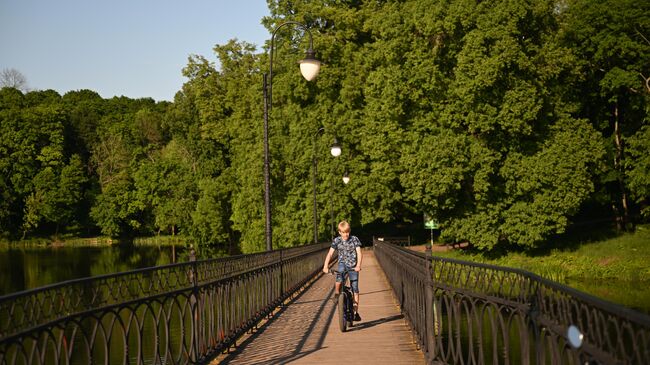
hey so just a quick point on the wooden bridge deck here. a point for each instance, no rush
(306, 331)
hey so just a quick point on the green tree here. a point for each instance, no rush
(216, 115)
(167, 188)
(441, 103)
(211, 217)
(114, 211)
(115, 158)
(85, 109)
(611, 38)
(11, 101)
(638, 169)
(42, 183)
(507, 161)
(70, 193)
(56, 196)
(490, 116)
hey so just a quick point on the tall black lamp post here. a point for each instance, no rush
(335, 150)
(309, 68)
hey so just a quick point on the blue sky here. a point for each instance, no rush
(135, 48)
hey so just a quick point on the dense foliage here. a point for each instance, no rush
(504, 120)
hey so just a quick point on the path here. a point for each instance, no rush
(306, 331)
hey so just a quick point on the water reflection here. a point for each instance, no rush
(28, 268)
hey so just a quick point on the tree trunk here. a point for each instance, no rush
(622, 216)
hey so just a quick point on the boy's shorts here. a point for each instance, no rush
(354, 276)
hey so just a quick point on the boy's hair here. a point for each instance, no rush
(344, 226)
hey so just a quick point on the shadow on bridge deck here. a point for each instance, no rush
(306, 332)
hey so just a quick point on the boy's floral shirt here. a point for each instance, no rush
(347, 250)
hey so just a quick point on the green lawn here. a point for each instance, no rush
(604, 264)
(597, 256)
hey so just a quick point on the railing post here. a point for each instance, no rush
(533, 316)
(430, 314)
(267, 287)
(281, 274)
(194, 305)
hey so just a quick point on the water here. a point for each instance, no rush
(22, 269)
(28, 268)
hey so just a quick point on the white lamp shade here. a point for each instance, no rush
(336, 150)
(309, 67)
(346, 179)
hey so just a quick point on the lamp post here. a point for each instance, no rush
(335, 150)
(332, 229)
(309, 68)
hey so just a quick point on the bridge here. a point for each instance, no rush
(306, 330)
(274, 308)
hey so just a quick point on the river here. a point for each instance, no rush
(22, 269)
(28, 268)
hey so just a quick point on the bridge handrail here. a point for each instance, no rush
(31, 308)
(427, 286)
(203, 316)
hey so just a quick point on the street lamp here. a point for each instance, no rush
(309, 67)
(335, 150)
(346, 177)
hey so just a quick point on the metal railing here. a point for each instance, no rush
(181, 313)
(471, 313)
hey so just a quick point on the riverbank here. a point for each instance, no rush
(621, 257)
(101, 241)
(607, 265)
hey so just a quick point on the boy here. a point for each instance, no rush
(349, 250)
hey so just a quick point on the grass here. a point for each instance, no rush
(595, 256)
(60, 241)
(160, 241)
(71, 241)
(615, 267)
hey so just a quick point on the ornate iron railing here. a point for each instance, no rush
(471, 313)
(178, 314)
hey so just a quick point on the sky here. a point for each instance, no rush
(134, 48)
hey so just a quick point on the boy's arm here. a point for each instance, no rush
(359, 259)
(326, 265)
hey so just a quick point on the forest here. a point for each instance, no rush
(507, 121)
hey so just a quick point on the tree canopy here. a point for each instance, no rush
(503, 120)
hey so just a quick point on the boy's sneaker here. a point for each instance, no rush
(357, 317)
